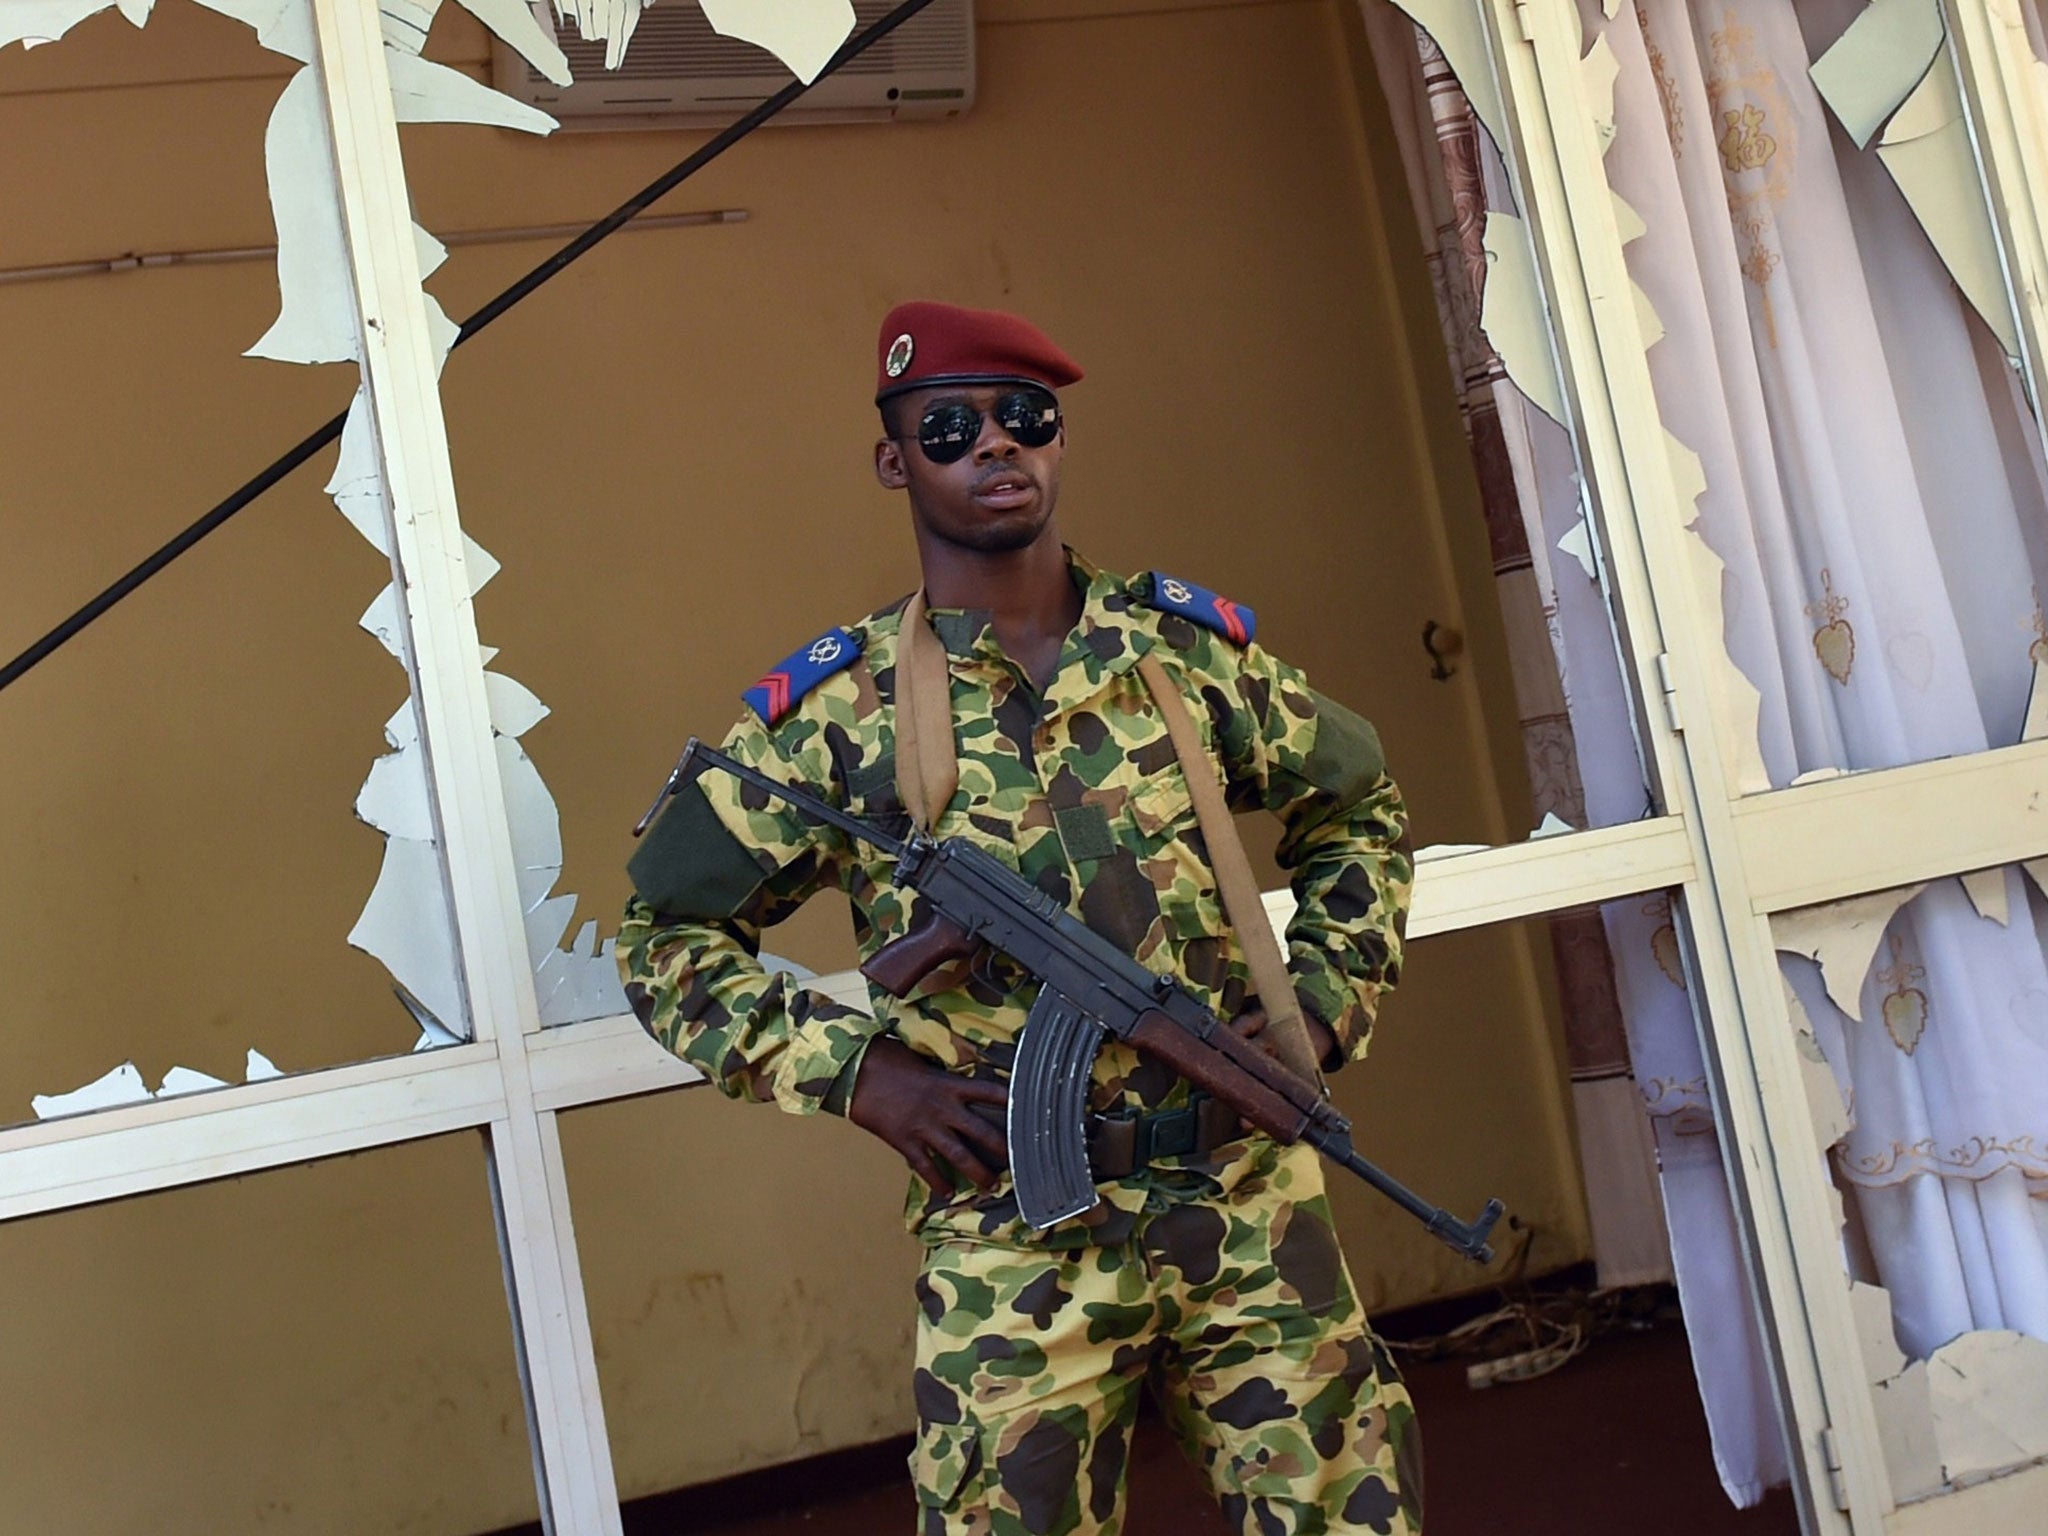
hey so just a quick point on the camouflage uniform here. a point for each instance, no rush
(1216, 1273)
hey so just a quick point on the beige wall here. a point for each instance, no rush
(667, 449)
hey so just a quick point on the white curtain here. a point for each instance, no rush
(1698, 1244)
(1455, 184)
(1875, 489)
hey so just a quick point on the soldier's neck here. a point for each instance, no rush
(1029, 594)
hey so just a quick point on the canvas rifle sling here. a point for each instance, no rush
(927, 765)
(928, 771)
(1235, 884)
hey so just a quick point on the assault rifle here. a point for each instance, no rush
(972, 902)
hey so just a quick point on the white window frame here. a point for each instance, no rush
(1734, 861)
(1761, 854)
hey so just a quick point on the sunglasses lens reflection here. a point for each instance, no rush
(947, 433)
(1031, 416)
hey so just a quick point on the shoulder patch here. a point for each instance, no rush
(799, 672)
(1233, 621)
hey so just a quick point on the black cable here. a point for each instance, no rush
(307, 446)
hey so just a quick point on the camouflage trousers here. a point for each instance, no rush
(1241, 1314)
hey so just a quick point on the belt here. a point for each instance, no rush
(1120, 1144)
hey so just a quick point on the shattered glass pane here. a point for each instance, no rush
(195, 785)
(1871, 496)
(1575, 712)
(1928, 1007)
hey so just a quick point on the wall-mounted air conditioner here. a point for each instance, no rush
(679, 73)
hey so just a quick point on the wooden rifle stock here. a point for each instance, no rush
(1219, 1066)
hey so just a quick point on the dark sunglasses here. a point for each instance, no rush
(947, 433)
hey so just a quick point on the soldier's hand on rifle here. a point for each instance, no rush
(1251, 1025)
(930, 1115)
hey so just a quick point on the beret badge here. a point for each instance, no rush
(899, 356)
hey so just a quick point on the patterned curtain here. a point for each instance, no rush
(1871, 490)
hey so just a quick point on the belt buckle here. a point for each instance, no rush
(1170, 1133)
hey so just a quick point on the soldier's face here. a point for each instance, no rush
(998, 496)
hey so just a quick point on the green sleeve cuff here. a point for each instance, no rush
(1323, 989)
(824, 1051)
(839, 1097)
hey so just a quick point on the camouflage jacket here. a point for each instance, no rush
(1081, 792)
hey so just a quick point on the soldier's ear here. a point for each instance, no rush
(889, 466)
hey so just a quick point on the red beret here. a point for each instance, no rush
(923, 343)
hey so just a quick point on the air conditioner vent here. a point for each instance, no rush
(678, 70)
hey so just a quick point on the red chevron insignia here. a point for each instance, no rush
(777, 684)
(1233, 626)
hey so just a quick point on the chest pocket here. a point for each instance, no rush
(1135, 861)
(1173, 855)
(1160, 802)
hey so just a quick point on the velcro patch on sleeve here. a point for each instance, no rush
(1233, 621)
(1346, 759)
(689, 864)
(799, 672)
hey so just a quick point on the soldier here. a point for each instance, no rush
(1210, 1268)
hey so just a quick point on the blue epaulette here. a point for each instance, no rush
(1233, 621)
(799, 672)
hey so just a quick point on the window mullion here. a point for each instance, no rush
(2005, 91)
(1776, 1175)
(400, 374)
